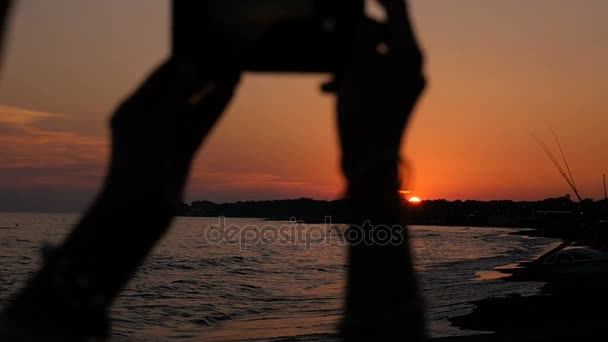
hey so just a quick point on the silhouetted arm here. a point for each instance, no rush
(155, 134)
(376, 93)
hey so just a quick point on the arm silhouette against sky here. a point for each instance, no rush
(376, 93)
(155, 133)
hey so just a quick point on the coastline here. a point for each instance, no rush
(566, 307)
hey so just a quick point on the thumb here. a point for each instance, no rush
(402, 33)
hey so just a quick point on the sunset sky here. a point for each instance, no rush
(500, 72)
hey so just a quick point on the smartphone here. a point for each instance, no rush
(267, 35)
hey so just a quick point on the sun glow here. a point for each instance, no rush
(406, 196)
(415, 200)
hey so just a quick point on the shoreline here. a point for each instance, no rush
(566, 307)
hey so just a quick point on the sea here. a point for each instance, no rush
(240, 279)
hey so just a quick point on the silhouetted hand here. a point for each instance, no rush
(377, 90)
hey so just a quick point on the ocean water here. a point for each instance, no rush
(255, 280)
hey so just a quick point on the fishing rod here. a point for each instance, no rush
(567, 176)
(605, 196)
(559, 145)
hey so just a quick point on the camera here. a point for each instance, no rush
(267, 35)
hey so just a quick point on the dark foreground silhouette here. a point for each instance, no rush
(155, 134)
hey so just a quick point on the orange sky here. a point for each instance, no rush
(499, 73)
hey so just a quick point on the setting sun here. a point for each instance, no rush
(406, 193)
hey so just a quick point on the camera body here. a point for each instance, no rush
(267, 35)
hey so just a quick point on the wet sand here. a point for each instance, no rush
(567, 307)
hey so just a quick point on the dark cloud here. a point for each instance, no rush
(46, 170)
